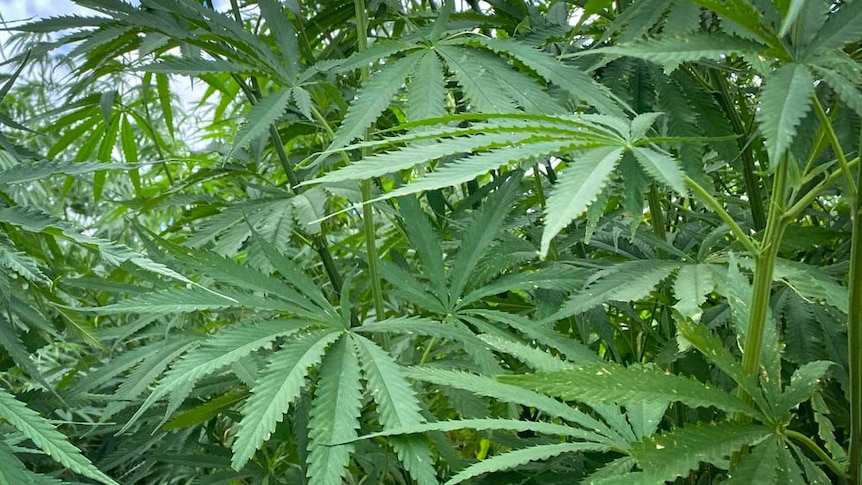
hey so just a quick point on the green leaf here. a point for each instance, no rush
(662, 167)
(220, 350)
(260, 118)
(571, 79)
(579, 186)
(488, 387)
(282, 29)
(645, 417)
(811, 283)
(785, 100)
(279, 386)
(671, 51)
(44, 435)
(675, 453)
(115, 253)
(468, 168)
(803, 384)
(22, 265)
(491, 424)
(520, 457)
(536, 358)
(163, 90)
(715, 351)
(759, 466)
(692, 285)
(744, 14)
(372, 99)
(335, 412)
(841, 28)
(424, 239)
(196, 67)
(572, 349)
(397, 407)
(410, 156)
(169, 301)
(426, 93)
(453, 331)
(482, 230)
(613, 383)
(628, 281)
(481, 87)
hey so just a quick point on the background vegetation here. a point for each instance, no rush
(417, 242)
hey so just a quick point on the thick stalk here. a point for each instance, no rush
(764, 266)
(854, 340)
(365, 185)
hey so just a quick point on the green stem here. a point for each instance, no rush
(811, 445)
(764, 266)
(806, 200)
(826, 123)
(749, 171)
(713, 204)
(365, 185)
(854, 341)
(656, 214)
(253, 94)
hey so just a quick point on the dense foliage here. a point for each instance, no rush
(417, 242)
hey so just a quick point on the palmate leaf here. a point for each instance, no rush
(573, 80)
(265, 112)
(628, 281)
(335, 412)
(485, 386)
(218, 351)
(372, 99)
(397, 406)
(811, 283)
(613, 383)
(520, 457)
(159, 356)
(785, 100)
(557, 277)
(44, 435)
(483, 228)
(674, 453)
(671, 51)
(280, 385)
(579, 186)
(847, 90)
